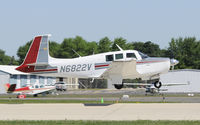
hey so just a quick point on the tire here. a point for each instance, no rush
(118, 86)
(157, 84)
(35, 95)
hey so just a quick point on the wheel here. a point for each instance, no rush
(43, 94)
(157, 84)
(21, 96)
(35, 95)
(118, 86)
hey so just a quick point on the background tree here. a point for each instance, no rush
(21, 52)
(54, 49)
(92, 48)
(119, 41)
(149, 48)
(186, 51)
(66, 48)
(104, 45)
(7, 60)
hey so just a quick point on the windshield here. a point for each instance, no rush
(143, 56)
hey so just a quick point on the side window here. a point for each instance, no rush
(109, 57)
(119, 56)
(130, 55)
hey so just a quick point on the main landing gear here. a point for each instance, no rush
(157, 84)
(119, 86)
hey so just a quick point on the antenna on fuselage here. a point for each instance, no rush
(76, 52)
(93, 52)
(119, 48)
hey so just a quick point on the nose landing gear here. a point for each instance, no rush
(157, 84)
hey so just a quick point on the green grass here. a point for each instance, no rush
(22, 101)
(96, 96)
(25, 101)
(139, 122)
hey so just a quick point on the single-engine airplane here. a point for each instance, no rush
(114, 66)
(28, 90)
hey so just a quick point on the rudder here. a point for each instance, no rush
(38, 54)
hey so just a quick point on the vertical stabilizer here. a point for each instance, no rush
(37, 58)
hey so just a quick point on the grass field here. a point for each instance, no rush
(21, 101)
(139, 122)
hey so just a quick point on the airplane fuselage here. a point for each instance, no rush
(94, 66)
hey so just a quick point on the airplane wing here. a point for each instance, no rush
(123, 69)
(163, 84)
(175, 84)
(138, 84)
(41, 90)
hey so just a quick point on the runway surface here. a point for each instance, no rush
(120, 111)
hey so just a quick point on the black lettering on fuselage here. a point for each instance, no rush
(76, 68)
(84, 67)
(89, 66)
(62, 69)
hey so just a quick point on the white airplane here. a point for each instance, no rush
(28, 90)
(114, 66)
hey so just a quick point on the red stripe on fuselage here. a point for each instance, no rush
(101, 65)
(22, 89)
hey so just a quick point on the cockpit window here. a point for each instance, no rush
(119, 56)
(143, 56)
(109, 57)
(130, 55)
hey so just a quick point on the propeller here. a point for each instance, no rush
(173, 62)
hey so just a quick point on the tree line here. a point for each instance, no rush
(186, 50)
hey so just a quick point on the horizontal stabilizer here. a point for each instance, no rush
(38, 64)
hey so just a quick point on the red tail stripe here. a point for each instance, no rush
(33, 51)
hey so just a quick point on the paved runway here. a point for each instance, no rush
(141, 111)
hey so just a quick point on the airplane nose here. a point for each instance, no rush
(173, 62)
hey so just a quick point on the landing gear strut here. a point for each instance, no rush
(157, 84)
(118, 86)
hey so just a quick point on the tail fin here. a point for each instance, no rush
(10, 88)
(37, 58)
(7, 86)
